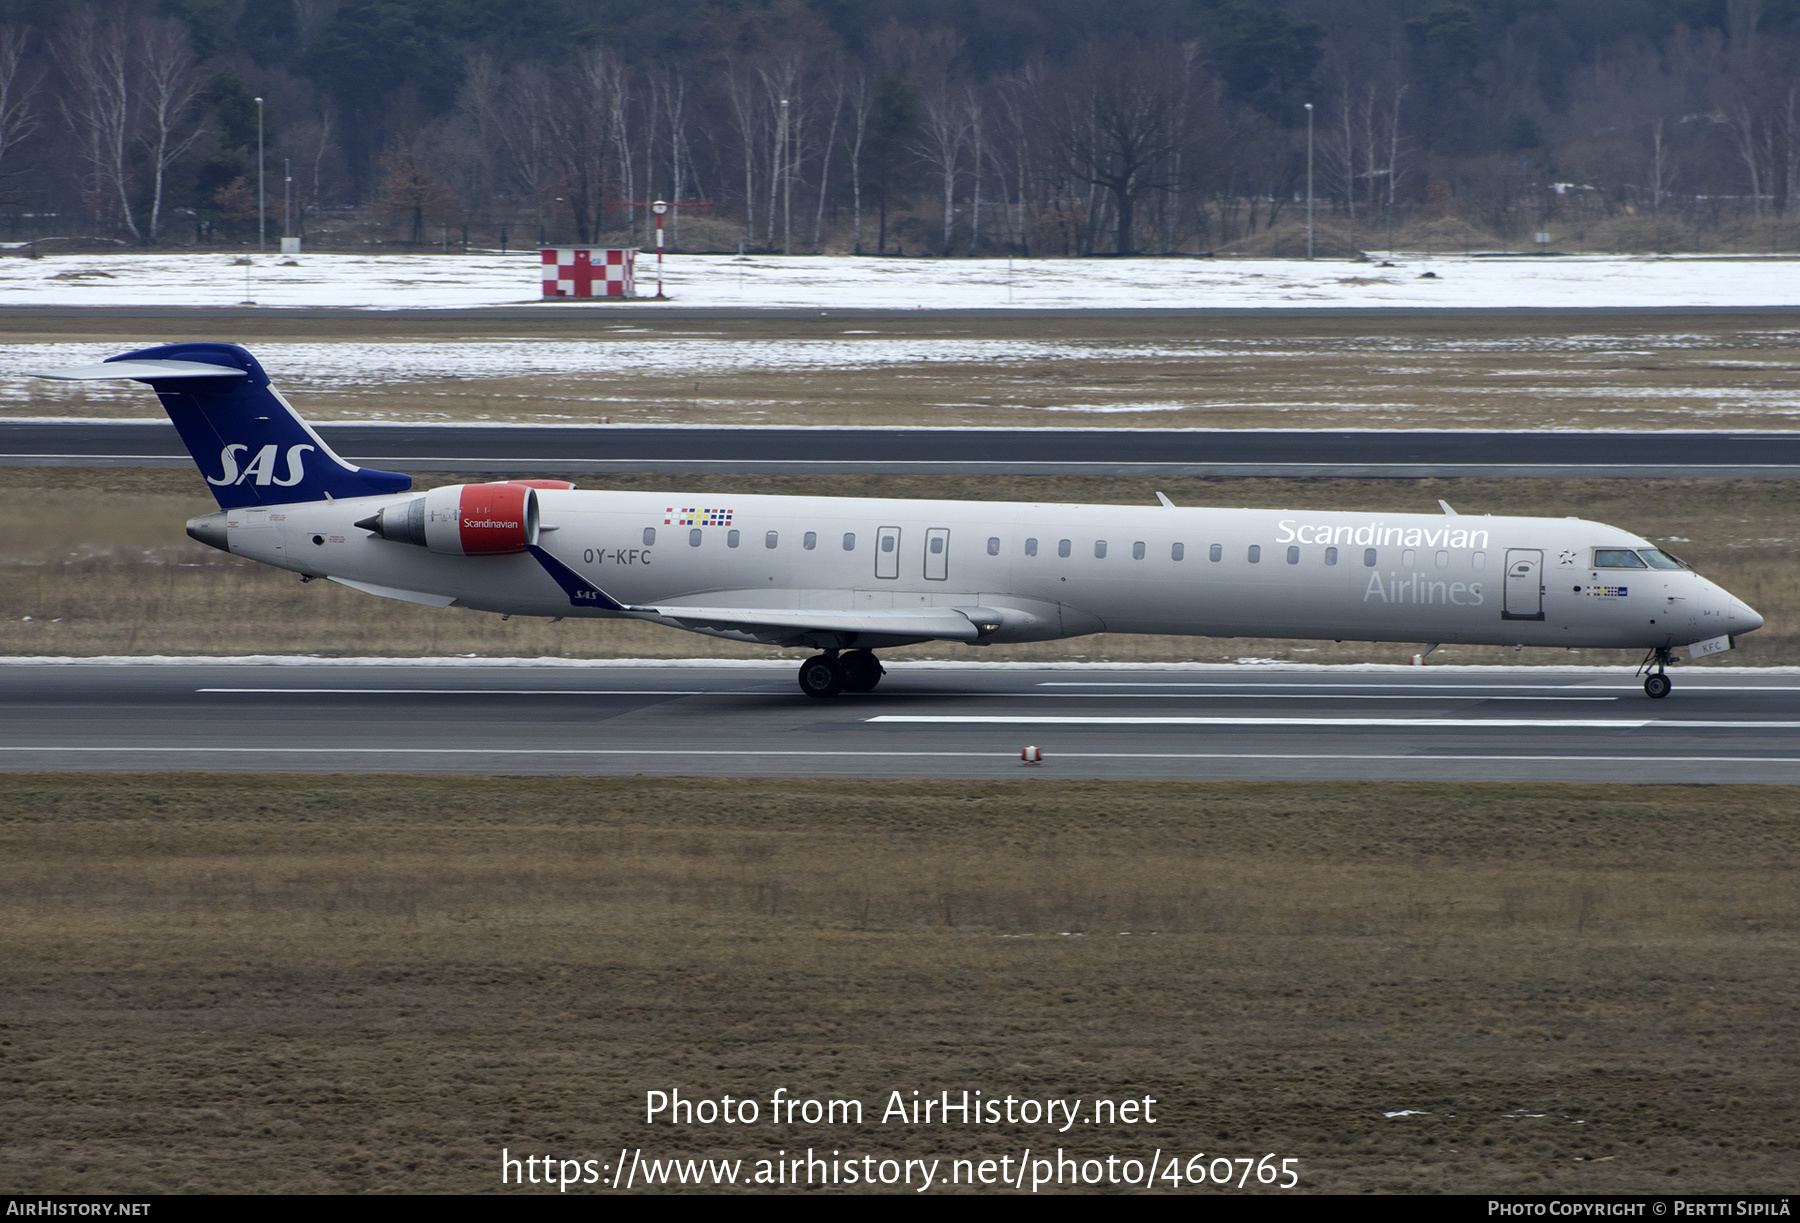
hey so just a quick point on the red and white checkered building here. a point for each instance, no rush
(581, 271)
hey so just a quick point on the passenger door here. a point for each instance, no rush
(1524, 584)
(937, 554)
(887, 552)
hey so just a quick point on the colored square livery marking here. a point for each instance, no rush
(1608, 592)
(691, 517)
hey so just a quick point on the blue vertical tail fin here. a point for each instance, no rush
(250, 444)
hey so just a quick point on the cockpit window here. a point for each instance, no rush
(1617, 558)
(1659, 559)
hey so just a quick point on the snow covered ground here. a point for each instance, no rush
(446, 281)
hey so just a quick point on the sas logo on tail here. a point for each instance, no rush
(262, 466)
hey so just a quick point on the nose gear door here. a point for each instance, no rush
(1524, 584)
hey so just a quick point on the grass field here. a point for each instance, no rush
(377, 983)
(95, 562)
(1560, 372)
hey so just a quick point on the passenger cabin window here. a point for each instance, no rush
(1331, 556)
(1031, 547)
(993, 545)
(1063, 547)
(1659, 559)
(1177, 551)
(1478, 561)
(1216, 552)
(1618, 558)
(1369, 557)
(937, 545)
(1293, 555)
(731, 539)
(694, 538)
(771, 539)
(1137, 550)
(1407, 558)
(887, 543)
(1256, 554)
(810, 540)
(1100, 548)
(1443, 560)
(649, 537)
(849, 541)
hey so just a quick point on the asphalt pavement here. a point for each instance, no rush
(1450, 724)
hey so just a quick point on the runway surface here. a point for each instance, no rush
(1462, 724)
(645, 311)
(597, 449)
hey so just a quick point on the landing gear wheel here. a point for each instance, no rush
(821, 676)
(862, 671)
(1657, 686)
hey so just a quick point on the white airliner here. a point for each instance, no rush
(848, 576)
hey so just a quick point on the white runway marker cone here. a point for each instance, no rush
(1032, 755)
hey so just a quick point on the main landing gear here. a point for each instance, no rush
(1657, 684)
(830, 673)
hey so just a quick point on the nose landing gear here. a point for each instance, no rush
(1657, 684)
(830, 673)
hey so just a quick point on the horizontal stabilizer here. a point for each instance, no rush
(145, 370)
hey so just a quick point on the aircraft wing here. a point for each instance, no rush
(781, 623)
(945, 622)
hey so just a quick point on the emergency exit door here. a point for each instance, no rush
(937, 554)
(887, 552)
(1524, 584)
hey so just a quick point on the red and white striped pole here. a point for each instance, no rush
(659, 208)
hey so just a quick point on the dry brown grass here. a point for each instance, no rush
(98, 561)
(1316, 373)
(273, 983)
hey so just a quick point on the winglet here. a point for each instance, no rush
(1446, 508)
(581, 592)
(1167, 504)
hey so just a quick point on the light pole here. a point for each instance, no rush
(660, 208)
(1309, 180)
(287, 197)
(787, 187)
(260, 227)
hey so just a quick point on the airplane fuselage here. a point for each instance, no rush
(1035, 571)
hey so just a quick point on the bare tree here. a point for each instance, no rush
(18, 84)
(169, 89)
(785, 96)
(861, 97)
(744, 96)
(528, 131)
(310, 139)
(942, 136)
(1114, 122)
(978, 155)
(579, 120)
(409, 189)
(837, 89)
(95, 59)
(669, 88)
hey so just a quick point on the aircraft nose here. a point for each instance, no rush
(1742, 617)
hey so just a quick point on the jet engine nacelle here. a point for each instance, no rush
(463, 519)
